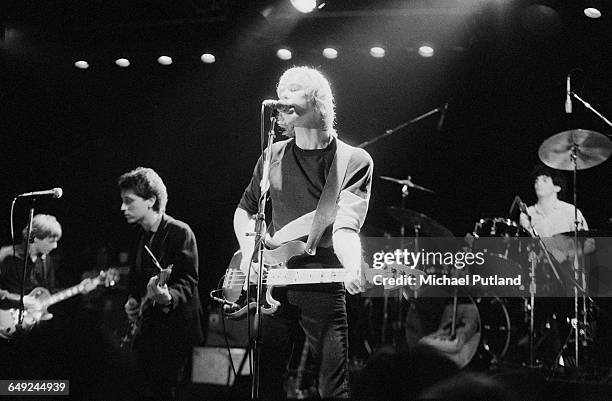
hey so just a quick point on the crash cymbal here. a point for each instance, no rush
(429, 227)
(592, 148)
(408, 182)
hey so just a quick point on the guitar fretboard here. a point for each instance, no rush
(304, 276)
(68, 293)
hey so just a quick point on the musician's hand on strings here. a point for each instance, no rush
(132, 309)
(157, 293)
(244, 268)
(31, 303)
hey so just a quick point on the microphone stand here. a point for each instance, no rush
(533, 287)
(26, 256)
(588, 106)
(258, 252)
(399, 127)
(543, 246)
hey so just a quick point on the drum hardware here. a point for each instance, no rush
(498, 227)
(420, 224)
(407, 182)
(533, 259)
(427, 226)
(575, 150)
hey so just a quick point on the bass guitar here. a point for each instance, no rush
(275, 260)
(43, 299)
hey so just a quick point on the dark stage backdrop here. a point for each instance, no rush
(198, 126)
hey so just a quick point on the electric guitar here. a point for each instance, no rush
(9, 318)
(234, 289)
(134, 327)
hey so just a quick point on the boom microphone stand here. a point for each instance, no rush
(441, 109)
(591, 108)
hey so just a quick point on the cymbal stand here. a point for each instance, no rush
(578, 268)
(533, 259)
(399, 322)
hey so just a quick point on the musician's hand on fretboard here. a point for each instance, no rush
(132, 309)
(158, 293)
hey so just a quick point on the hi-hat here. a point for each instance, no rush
(407, 182)
(591, 148)
(410, 218)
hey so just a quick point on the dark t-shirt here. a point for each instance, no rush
(298, 177)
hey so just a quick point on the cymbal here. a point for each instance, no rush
(408, 182)
(592, 148)
(586, 233)
(429, 226)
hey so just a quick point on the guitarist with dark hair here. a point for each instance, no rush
(163, 303)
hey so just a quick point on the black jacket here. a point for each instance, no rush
(173, 243)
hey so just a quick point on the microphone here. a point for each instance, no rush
(522, 206)
(442, 110)
(568, 96)
(278, 105)
(55, 192)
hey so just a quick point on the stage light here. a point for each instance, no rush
(284, 54)
(208, 58)
(122, 62)
(82, 64)
(592, 12)
(377, 52)
(426, 51)
(164, 60)
(330, 53)
(304, 6)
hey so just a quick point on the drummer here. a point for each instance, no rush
(551, 216)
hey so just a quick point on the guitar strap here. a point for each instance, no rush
(327, 207)
(314, 223)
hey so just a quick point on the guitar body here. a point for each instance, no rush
(234, 285)
(236, 304)
(135, 327)
(9, 318)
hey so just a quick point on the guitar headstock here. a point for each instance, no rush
(164, 275)
(109, 277)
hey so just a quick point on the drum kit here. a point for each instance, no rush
(507, 329)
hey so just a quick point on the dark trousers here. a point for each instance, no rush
(322, 317)
(163, 358)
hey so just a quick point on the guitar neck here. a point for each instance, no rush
(305, 276)
(68, 293)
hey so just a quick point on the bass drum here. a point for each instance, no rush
(482, 328)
